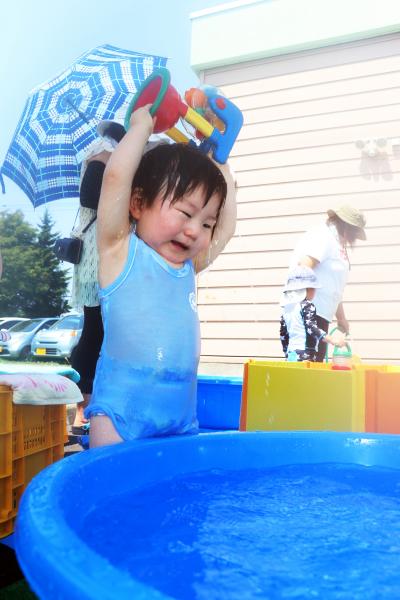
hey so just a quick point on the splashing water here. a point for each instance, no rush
(299, 531)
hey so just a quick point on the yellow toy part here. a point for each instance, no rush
(199, 122)
(175, 134)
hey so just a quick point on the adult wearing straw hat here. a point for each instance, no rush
(325, 249)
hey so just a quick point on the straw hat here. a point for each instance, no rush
(352, 217)
(301, 278)
(226, 223)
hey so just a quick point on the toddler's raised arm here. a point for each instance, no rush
(113, 223)
(113, 211)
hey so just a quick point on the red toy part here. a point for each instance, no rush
(218, 127)
(167, 105)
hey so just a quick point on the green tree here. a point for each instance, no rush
(33, 284)
(55, 277)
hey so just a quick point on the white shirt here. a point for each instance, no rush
(322, 243)
(85, 284)
(85, 287)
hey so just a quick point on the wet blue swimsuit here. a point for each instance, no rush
(146, 376)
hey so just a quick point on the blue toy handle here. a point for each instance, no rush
(232, 118)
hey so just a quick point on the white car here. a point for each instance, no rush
(8, 322)
(21, 335)
(59, 340)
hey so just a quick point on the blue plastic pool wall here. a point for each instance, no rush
(218, 402)
(54, 505)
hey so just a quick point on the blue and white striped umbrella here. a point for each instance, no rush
(60, 118)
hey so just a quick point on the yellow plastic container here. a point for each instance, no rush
(278, 397)
(31, 438)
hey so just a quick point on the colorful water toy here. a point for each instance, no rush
(219, 132)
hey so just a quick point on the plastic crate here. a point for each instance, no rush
(31, 438)
(218, 402)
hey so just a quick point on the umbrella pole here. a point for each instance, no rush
(81, 114)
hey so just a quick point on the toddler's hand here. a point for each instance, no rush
(142, 117)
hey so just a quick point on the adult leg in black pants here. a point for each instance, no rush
(85, 356)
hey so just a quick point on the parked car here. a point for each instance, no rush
(19, 346)
(8, 322)
(59, 340)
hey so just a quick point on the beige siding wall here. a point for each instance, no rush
(295, 158)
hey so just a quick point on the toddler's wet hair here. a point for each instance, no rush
(176, 170)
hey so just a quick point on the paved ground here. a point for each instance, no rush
(72, 446)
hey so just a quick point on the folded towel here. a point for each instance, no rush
(8, 368)
(35, 388)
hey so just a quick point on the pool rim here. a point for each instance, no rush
(72, 569)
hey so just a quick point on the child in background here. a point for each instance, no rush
(299, 332)
(176, 197)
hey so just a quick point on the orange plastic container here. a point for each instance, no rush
(31, 438)
(382, 402)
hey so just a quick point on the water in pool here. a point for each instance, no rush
(301, 531)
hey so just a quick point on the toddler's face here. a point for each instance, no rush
(178, 231)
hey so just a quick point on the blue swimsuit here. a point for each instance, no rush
(146, 376)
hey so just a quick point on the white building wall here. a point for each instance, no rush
(298, 155)
(251, 29)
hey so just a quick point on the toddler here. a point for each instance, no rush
(299, 332)
(161, 216)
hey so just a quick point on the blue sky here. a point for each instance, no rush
(41, 38)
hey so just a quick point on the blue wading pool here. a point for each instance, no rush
(220, 515)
